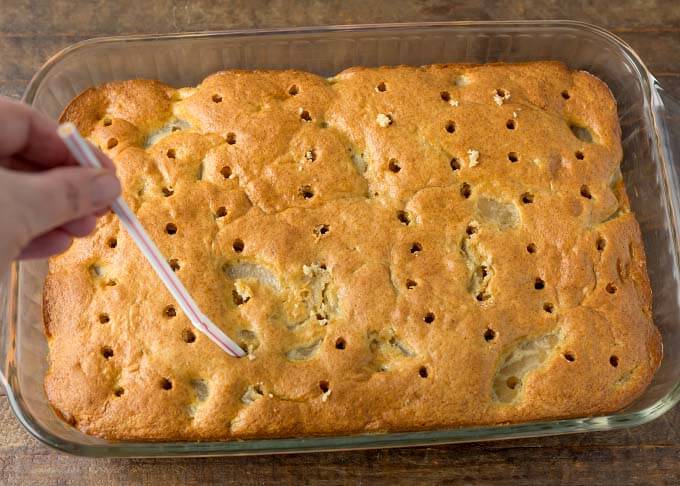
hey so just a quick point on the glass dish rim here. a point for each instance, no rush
(350, 442)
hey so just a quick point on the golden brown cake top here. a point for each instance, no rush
(397, 248)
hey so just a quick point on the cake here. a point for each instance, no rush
(396, 248)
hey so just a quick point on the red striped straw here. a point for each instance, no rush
(83, 153)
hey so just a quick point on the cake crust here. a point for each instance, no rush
(397, 248)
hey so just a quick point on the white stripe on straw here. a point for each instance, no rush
(82, 151)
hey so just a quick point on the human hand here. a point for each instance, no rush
(46, 199)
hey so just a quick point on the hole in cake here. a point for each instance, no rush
(566, 95)
(324, 386)
(188, 336)
(167, 191)
(394, 166)
(322, 229)
(489, 335)
(483, 296)
(569, 356)
(221, 212)
(238, 298)
(306, 192)
(248, 340)
(450, 126)
(422, 372)
(404, 217)
(513, 157)
(310, 155)
(174, 264)
(445, 95)
(585, 192)
(293, 90)
(171, 154)
(340, 343)
(111, 283)
(411, 284)
(238, 245)
(111, 143)
(112, 242)
(582, 133)
(614, 361)
(500, 92)
(170, 311)
(511, 124)
(579, 155)
(107, 352)
(176, 129)
(226, 172)
(384, 120)
(104, 318)
(520, 360)
(531, 248)
(305, 116)
(455, 164)
(429, 318)
(527, 198)
(171, 228)
(465, 190)
(231, 138)
(539, 284)
(416, 248)
(470, 230)
(166, 384)
(216, 98)
(382, 87)
(611, 288)
(107, 122)
(512, 382)
(118, 391)
(600, 244)
(548, 307)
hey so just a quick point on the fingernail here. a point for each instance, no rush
(104, 188)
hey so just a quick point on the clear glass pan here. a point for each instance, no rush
(651, 139)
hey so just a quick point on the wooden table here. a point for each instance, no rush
(31, 31)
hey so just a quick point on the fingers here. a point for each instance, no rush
(80, 227)
(51, 243)
(48, 200)
(58, 240)
(32, 136)
(18, 164)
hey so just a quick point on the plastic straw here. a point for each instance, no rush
(83, 153)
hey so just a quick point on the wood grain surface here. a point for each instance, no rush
(32, 31)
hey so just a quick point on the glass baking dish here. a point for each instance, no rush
(650, 121)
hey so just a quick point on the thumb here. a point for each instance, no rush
(52, 198)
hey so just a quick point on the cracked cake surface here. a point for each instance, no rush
(396, 248)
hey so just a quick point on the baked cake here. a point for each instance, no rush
(396, 248)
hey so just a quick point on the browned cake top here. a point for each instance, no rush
(397, 248)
